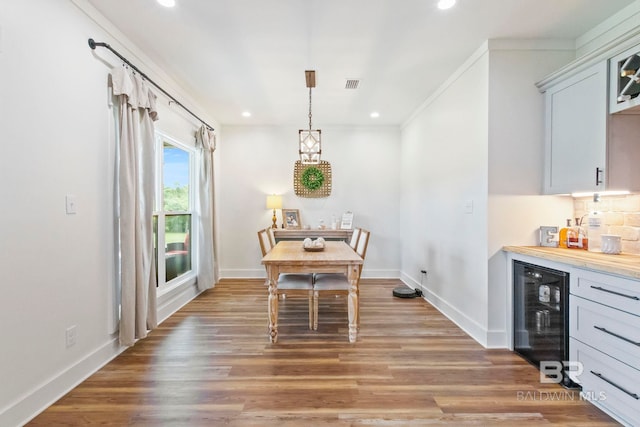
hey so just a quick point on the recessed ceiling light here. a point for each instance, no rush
(246, 114)
(375, 115)
(167, 3)
(446, 4)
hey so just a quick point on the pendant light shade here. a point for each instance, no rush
(309, 140)
(310, 146)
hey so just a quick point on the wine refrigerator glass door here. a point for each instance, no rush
(541, 298)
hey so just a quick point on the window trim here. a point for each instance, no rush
(189, 277)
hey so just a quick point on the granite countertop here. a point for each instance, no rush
(622, 264)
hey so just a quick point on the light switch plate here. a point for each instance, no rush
(468, 206)
(70, 200)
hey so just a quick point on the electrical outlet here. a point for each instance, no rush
(70, 336)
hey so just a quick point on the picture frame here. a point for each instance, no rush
(347, 221)
(291, 219)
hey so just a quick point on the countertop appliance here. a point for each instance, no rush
(541, 315)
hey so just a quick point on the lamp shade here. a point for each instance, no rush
(274, 201)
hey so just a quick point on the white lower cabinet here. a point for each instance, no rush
(616, 292)
(604, 330)
(608, 383)
(609, 330)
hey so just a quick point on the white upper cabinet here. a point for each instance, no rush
(576, 132)
(592, 130)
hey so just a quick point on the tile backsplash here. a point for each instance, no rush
(621, 217)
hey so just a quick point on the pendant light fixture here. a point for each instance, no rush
(309, 140)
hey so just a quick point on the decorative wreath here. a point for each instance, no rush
(312, 178)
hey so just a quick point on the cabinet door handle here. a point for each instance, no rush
(598, 178)
(600, 328)
(605, 379)
(615, 293)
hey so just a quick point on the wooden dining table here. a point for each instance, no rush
(290, 257)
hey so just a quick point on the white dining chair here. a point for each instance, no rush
(272, 236)
(353, 242)
(289, 283)
(336, 283)
(265, 241)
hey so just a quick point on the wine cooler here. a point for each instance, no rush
(541, 314)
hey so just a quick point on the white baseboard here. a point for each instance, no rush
(175, 300)
(380, 274)
(245, 273)
(41, 397)
(486, 338)
(497, 339)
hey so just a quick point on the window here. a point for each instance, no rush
(174, 211)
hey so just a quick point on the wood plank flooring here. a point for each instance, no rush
(211, 364)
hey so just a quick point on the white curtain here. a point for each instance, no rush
(207, 265)
(136, 103)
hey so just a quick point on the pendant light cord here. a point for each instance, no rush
(309, 108)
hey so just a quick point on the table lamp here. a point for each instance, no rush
(274, 202)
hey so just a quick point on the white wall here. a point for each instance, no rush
(444, 167)
(516, 119)
(259, 160)
(479, 140)
(516, 149)
(58, 269)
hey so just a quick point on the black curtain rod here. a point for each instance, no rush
(93, 44)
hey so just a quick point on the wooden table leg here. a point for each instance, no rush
(353, 303)
(272, 277)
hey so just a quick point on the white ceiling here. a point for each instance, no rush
(237, 55)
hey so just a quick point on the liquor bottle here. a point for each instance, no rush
(573, 237)
(595, 230)
(562, 237)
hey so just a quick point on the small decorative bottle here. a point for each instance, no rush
(562, 237)
(583, 237)
(573, 237)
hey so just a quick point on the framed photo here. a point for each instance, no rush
(347, 221)
(291, 219)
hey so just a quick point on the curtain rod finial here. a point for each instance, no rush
(92, 44)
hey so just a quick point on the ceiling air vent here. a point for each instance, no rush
(352, 84)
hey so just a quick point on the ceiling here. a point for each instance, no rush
(250, 55)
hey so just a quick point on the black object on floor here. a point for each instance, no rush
(406, 292)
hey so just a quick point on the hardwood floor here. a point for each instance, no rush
(211, 364)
